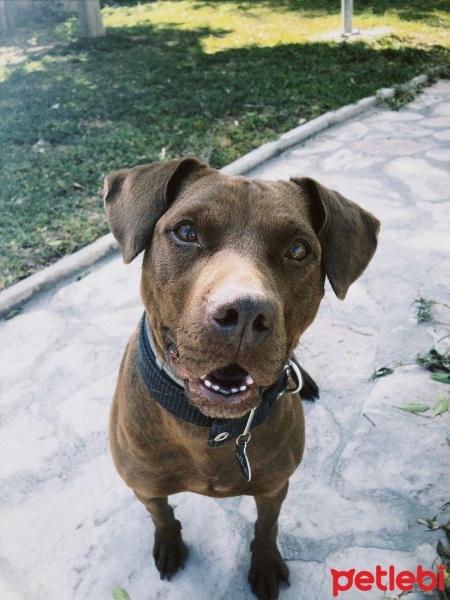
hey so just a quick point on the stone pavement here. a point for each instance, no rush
(71, 529)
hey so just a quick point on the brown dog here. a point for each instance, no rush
(233, 274)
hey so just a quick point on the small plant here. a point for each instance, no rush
(403, 96)
(423, 309)
(438, 364)
(435, 362)
(432, 524)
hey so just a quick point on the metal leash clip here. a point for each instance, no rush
(293, 374)
(241, 448)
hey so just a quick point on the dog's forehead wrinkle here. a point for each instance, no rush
(238, 190)
(266, 212)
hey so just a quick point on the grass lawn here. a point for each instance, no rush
(201, 77)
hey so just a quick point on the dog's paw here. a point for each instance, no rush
(265, 576)
(169, 556)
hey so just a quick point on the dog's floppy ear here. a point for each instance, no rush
(347, 234)
(136, 198)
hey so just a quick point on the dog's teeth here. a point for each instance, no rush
(226, 392)
(249, 380)
(242, 388)
(216, 388)
(234, 390)
(207, 383)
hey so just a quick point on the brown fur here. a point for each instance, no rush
(245, 228)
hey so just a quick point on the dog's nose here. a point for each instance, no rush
(248, 319)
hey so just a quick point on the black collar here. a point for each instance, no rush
(171, 395)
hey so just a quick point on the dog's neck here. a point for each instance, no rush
(169, 392)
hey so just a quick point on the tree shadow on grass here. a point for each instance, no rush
(157, 78)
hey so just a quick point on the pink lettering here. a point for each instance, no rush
(422, 575)
(441, 577)
(405, 581)
(364, 581)
(379, 573)
(337, 586)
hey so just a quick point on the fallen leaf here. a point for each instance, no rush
(441, 406)
(13, 313)
(119, 594)
(413, 408)
(430, 523)
(382, 372)
(441, 377)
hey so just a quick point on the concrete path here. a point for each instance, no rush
(71, 529)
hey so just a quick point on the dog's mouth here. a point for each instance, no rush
(226, 392)
(230, 386)
(229, 383)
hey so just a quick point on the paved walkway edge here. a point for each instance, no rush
(69, 266)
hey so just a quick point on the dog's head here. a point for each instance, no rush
(233, 270)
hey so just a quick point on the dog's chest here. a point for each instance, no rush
(215, 471)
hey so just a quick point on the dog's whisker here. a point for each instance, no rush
(301, 347)
(330, 306)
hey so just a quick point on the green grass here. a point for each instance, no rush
(207, 78)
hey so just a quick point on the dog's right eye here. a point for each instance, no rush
(186, 232)
(298, 251)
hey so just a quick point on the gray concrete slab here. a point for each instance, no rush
(70, 529)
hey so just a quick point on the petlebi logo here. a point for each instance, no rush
(388, 579)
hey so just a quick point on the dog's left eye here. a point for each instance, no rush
(186, 232)
(297, 251)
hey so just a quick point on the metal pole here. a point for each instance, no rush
(347, 15)
(90, 18)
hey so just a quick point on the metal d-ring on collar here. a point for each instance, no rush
(293, 372)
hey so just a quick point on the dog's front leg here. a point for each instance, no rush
(267, 568)
(169, 550)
